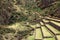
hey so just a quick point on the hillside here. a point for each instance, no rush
(29, 19)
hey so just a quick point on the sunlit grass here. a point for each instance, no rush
(56, 23)
(46, 32)
(30, 38)
(49, 39)
(58, 37)
(45, 20)
(53, 29)
(38, 34)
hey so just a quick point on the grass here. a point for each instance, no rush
(56, 23)
(49, 39)
(46, 32)
(38, 34)
(31, 37)
(33, 26)
(45, 20)
(53, 29)
(37, 25)
(58, 37)
(41, 23)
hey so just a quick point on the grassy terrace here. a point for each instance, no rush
(48, 39)
(46, 32)
(41, 23)
(58, 37)
(56, 23)
(52, 19)
(31, 37)
(42, 31)
(29, 20)
(38, 34)
(53, 29)
(45, 20)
